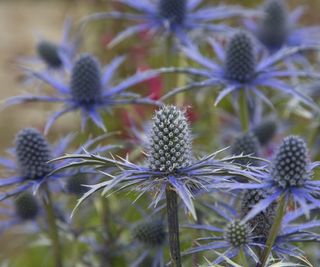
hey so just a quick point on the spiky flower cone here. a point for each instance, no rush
(237, 233)
(150, 233)
(246, 144)
(265, 131)
(86, 84)
(173, 10)
(26, 206)
(49, 53)
(240, 60)
(33, 154)
(170, 140)
(289, 167)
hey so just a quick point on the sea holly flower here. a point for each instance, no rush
(151, 236)
(89, 90)
(289, 175)
(243, 69)
(28, 164)
(280, 28)
(173, 17)
(56, 57)
(170, 161)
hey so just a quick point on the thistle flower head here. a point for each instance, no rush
(262, 222)
(289, 167)
(237, 233)
(173, 10)
(75, 184)
(86, 85)
(49, 53)
(26, 206)
(246, 144)
(265, 131)
(150, 233)
(33, 154)
(240, 59)
(273, 29)
(170, 140)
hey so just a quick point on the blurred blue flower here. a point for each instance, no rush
(173, 17)
(56, 57)
(169, 162)
(89, 90)
(280, 28)
(243, 69)
(289, 175)
(28, 163)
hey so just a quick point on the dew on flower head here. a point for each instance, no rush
(170, 140)
(173, 10)
(245, 144)
(273, 28)
(263, 221)
(237, 233)
(49, 53)
(86, 84)
(289, 167)
(26, 206)
(33, 154)
(240, 60)
(151, 233)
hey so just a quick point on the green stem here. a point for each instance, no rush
(173, 225)
(53, 229)
(242, 259)
(313, 136)
(281, 210)
(244, 113)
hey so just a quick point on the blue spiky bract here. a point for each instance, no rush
(26, 206)
(289, 167)
(173, 10)
(262, 222)
(86, 84)
(49, 53)
(274, 29)
(237, 233)
(246, 144)
(240, 60)
(170, 140)
(151, 233)
(33, 154)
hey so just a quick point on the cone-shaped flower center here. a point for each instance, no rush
(26, 206)
(75, 184)
(246, 144)
(86, 85)
(265, 131)
(237, 233)
(262, 222)
(150, 233)
(49, 53)
(33, 154)
(173, 10)
(240, 59)
(289, 167)
(273, 29)
(170, 140)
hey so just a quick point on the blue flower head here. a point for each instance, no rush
(170, 161)
(26, 206)
(280, 28)
(243, 68)
(89, 90)
(173, 17)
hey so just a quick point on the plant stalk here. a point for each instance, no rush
(243, 110)
(242, 259)
(53, 229)
(281, 210)
(173, 225)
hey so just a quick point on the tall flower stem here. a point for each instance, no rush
(242, 259)
(281, 210)
(173, 225)
(243, 110)
(53, 229)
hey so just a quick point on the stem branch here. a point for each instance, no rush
(243, 110)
